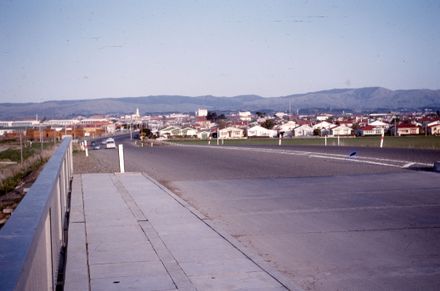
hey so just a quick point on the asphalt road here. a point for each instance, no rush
(326, 220)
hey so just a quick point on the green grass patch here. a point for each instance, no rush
(10, 183)
(15, 155)
(416, 142)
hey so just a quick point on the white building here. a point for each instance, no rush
(19, 123)
(170, 131)
(370, 130)
(245, 115)
(323, 125)
(189, 132)
(231, 133)
(259, 131)
(303, 130)
(61, 122)
(341, 130)
(378, 123)
(323, 117)
(204, 134)
(286, 127)
(434, 128)
(202, 112)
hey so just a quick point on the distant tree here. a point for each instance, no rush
(146, 132)
(221, 116)
(268, 123)
(212, 116)
(260, 114)
(317, 131)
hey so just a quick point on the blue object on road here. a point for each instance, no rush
(352, 154)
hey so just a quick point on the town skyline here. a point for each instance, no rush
(335, 100)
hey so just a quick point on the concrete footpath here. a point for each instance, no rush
(128, 233)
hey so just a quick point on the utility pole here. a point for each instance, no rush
(21, 148)
(41, 136)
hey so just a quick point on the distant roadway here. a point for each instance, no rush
(326, 220)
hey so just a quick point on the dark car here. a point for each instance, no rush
(95, 146)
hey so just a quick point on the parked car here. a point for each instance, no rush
(95, 146)
(110, 145)
(108, 140)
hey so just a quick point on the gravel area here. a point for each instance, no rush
(96, 162)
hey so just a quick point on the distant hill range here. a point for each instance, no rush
(357, 100)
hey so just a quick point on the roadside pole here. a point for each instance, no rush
(279, 141)
(339, 140)
(325, 140)
(381, 138)
(86, 148)
(21, 148)
(41, 137)
(209, 140)
(121, 158)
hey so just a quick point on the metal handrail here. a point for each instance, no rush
(32, 239)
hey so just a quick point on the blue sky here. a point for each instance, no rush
(54, 50)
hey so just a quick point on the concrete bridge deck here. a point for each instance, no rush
(127, 232)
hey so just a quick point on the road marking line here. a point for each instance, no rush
(355, 160)
(408, 165)
(366, 160)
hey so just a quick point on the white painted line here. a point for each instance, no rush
(366, 160)
(408, 165)
(355, 160)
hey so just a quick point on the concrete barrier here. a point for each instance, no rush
(32, 240)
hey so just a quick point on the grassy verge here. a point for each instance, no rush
(418, 142)
(9, 183)
(33, 159)
(13, 153)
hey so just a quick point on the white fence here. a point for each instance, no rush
(32, 240)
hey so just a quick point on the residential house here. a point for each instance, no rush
(379, 124)
(188, 132)
(259, 131)
(303, 130)
(323, 125)
(369, 130)
(405, 129)
(204, 134)
(288, 126)
(434, 127)
(170, 131)
(323, 128)
(231, 133)
(340, 130)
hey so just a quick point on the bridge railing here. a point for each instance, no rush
(32, 240)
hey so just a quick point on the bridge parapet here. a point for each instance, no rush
(32, 240)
